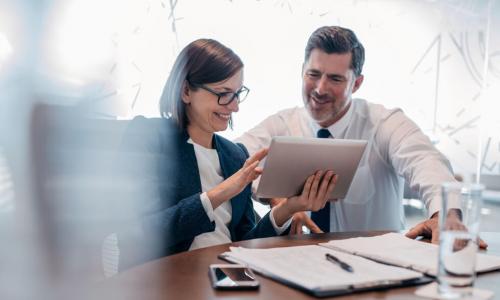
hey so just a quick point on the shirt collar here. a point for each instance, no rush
(336, 129)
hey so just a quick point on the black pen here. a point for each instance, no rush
(342, 264)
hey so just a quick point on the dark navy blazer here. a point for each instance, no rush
(165, 188)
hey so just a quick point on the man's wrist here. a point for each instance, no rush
(455, 212)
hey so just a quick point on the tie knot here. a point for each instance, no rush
(323, 133)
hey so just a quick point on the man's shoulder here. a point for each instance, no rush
(372, 110)
(292, 110)
(290, 114)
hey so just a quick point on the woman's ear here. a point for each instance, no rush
(186, 93)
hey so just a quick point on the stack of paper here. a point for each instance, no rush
(398, 250)
(307, 266)
(378, 262)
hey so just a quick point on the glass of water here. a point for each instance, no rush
(459, 228)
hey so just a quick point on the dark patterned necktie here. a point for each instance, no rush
(322, 216)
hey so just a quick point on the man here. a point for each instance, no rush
(397, 149)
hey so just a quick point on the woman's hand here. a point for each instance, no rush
(315, 193)
(238, 181)
(299, 219)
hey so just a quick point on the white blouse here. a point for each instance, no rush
(210, 176)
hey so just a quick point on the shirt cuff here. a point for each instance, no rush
(435, 205)
(279, 230)
(207, 206)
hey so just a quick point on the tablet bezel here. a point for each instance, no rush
(292, 159)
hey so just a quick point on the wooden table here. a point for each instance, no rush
(185, 275)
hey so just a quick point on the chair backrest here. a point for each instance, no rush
(491, 181)
(75, 186)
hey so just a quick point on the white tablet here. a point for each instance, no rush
(292, 159)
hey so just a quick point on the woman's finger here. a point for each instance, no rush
(252, 170)
(258, 170)
(247, 174)
(258, 156)
(314, 187)
(331, 186)
(325, 182)
(249, 168)
(307, 186)
(319, 201)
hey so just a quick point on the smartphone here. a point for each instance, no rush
(232, 277)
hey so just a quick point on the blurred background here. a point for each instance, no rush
(73, 71)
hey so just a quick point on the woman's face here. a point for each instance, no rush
(204, 113)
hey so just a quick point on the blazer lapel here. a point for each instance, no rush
(229, 165)
(189, 183)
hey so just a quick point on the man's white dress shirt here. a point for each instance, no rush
(397, 149)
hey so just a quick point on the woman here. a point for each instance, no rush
(193, 184)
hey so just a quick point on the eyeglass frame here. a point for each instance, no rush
(220, 95)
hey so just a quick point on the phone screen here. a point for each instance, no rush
(233, 277)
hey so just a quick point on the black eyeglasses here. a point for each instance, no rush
(225, 98)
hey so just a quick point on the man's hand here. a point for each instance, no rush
(301, 219)
(430, 229)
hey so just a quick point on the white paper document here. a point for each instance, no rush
(307, 267)
(396, 249)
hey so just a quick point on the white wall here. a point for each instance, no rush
(122, 58)
(114, 56)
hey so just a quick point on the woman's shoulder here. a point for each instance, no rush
(156, 124)
(149, 133)
(237, 150)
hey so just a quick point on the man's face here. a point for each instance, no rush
(327, 85)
